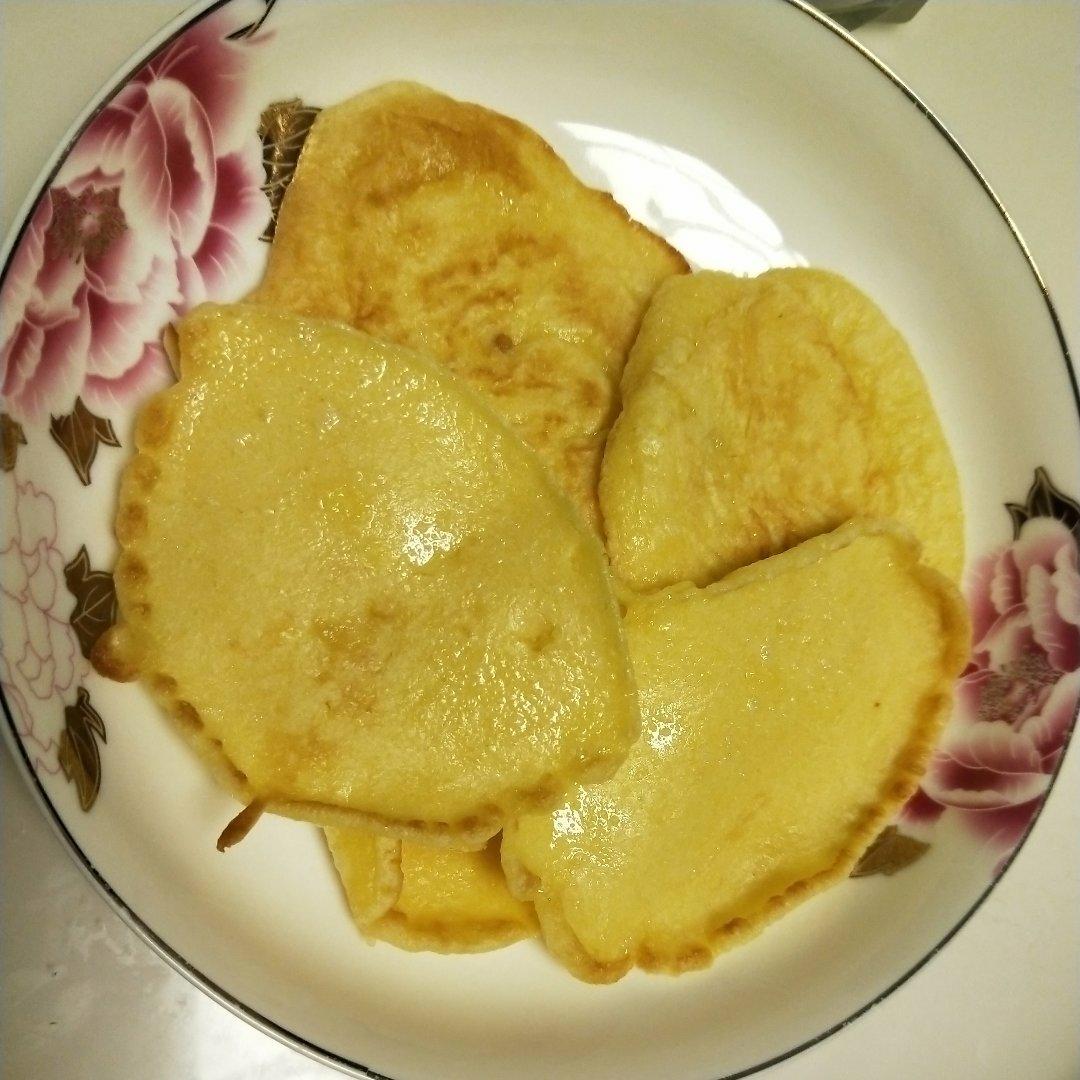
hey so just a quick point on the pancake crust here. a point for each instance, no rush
(788, 710)
(758, 412)
(357, 591)
(443, 901)
(445, 227)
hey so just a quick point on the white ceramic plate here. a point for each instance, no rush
(750, 135)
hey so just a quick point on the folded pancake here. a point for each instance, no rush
(787, 711)
(758, 412)
(369, 866)
(441, 900)
(445, 227)
(358, 591)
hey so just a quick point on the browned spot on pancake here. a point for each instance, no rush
(142, 473)
(537, 382)
(496, 296)
(130, 522)
(410, 150)
(131, 569)
(109, 658)
(155, 423)
(534, 629)
(163, 684)
(186, 715)
(592, 394)
(694, 959)
(509, 256)
(496, 380)
(370, 312)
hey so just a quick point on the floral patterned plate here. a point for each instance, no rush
(750, 136)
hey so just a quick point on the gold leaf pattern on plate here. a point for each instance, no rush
(79, 755)
(95, 600)
(78, 435)
(283, 128)
(12, 437)
(252, 28)
(891, 851)
(1045, 500)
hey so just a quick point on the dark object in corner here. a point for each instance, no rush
(851, 14)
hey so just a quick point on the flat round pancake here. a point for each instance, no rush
(356, 588)
(787, 712)
(759, 412)
(445, 227)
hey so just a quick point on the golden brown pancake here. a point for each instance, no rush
(445, 227)
(787, 711)
(758, 412)
(440, 900)
(358, 591)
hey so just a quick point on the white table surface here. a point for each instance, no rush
(84, 999)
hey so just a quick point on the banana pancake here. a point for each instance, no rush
(456, 231)
(758, 412)
(357, 591)
(787, 711)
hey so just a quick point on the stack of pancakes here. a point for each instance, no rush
(569, 591)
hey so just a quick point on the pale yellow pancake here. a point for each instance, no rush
(441, 901)
(448, 228)
(358, 591)
(787, 712)
(758, 412)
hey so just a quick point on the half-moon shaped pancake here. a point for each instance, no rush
(442, 901)
(358, 591)
(456, 231)
(758, 412)
(787, 711)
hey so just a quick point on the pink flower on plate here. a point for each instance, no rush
(40, 660)
(155, 209)
(1016, 700)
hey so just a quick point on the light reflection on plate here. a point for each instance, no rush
(703, 214)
